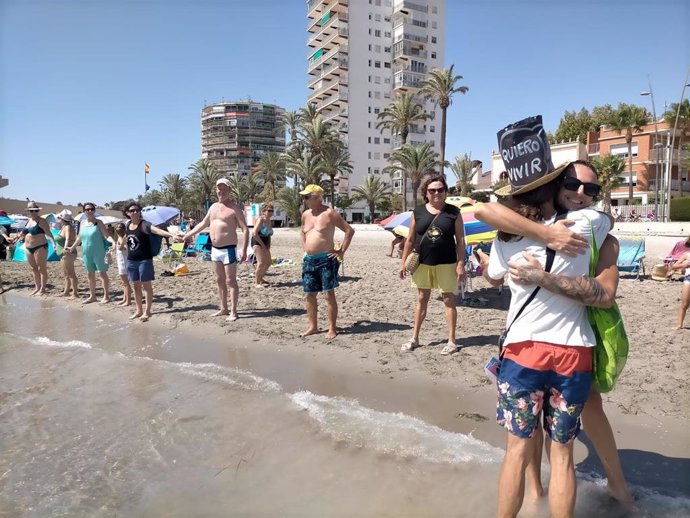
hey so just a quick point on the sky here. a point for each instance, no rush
(90, 90)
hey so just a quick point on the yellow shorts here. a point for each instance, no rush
(439, 277)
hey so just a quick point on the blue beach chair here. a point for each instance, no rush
(631, 256)
(202, 247)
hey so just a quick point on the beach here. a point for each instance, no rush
(414, 398)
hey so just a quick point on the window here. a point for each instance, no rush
(377, 80)
(369, 124)
(377, 95)
(377, 2)
(369, 32)
(369, 109)
(377, 156)
(433, 39)
(370, 47)
(377, 64)
(387, 64)
(377, 33)
(432, 129)
(370, 16)
(369, 155)
(377, 140)
(621, 150)
(434, 9)
(369, 62)
(433, 55)
(386, 95)
(386, 140)
(387, 34)
(386, 80)
(434, 25)
(386, 155)
(369, 94)
(377, 17)
(376, 110)
(377, 171)
(368, 170)
(387, 49)
(368, 140)
(377, 48)
(369, 79)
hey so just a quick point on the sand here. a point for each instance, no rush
(375, 316)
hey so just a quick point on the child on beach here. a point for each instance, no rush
(121, 255)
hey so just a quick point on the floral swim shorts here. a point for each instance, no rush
(319, 273)
(537, 376)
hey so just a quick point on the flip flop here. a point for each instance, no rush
(450, 348)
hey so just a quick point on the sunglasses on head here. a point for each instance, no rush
(436, 191)
(573, 184)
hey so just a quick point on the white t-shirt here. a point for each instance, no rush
(549, 317)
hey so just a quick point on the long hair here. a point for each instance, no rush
(434, 177)
(529, 204)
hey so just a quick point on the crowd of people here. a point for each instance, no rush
(542, 252)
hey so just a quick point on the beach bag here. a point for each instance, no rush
(412, 260)
(611, 351)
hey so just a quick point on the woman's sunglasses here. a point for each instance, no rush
(573, 184)
(90, 209)
(436, 191)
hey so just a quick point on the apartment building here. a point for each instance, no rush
(362, 53)
(650, 154)
(235, 134)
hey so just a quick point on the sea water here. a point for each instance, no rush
(100, 417)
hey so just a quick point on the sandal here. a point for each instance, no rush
(410, 345)
(450, 348)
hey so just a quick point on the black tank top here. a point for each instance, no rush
(138, 244)
(438, 247)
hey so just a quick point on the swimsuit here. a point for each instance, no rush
(319, 273)
(93, 248)
(265, 234)
(34, 230)
(224, 254)
(33, 249)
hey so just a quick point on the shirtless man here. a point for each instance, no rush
(320, 268)
(223, 218)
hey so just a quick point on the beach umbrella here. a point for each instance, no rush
(20, 220)
(109, 220)
(82, 215)
(157, 215)
(475, 231)
(50, 218)
(385, 221)
(4, 220)
(399, 219)
(460, 201)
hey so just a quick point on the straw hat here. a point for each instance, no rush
(32, 206)
(527, 156)
(65, 215)
(659, 272)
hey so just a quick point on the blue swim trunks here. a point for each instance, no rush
(140, 271)
(319, 273)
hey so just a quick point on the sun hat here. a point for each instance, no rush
(33, 206)
(526, 154)
(660, 272)
(312, 189)
(65, 215)
(3, 213)
(223, 181)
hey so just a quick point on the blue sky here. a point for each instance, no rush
(92, 89)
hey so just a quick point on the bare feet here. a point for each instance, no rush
(124, 303)
(65, 293)
(260, 286)
(135, 316)
(310, 331)
(232, 317)
(34, 292)
(331, 334)
(104, 300)
(221, 313)
(145, 318)
(89, 300)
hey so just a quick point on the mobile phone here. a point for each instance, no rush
(492, 367)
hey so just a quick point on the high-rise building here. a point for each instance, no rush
(234, 135)
(362, 53)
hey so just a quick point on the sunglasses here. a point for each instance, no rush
(133, 210)
(573, 184)
(436, 191)
(89, 209)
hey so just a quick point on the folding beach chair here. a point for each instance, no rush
(631, 256)
(202, 247)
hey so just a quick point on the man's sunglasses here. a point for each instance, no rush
(573, 184)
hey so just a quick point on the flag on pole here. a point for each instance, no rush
(146, 168)
(146, 187)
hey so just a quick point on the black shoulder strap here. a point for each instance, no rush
(550, 255)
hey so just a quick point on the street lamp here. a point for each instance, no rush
(673, 139)
(650, 93)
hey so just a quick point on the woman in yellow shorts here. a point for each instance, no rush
(438, 235)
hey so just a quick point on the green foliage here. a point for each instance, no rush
(245, 189)
(270, 169)
(202, 183)
(344, 202)
(574, 126)
(462, 169)
(413, 162)
(609, 169)
(373, 191)
(290, 201)
(680, 209)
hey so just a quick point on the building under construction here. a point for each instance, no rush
(234, 135)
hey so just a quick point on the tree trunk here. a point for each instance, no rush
(273, 191)
(680, 164)
(332, 177)
(403, 138)
(628, 139)
(443, 139)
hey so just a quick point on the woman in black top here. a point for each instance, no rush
(438, 234)
(140, 257)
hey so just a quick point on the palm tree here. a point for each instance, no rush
(306, 167)
(439, 86)
(317, 135)
(202, 180)
(173, 189)
(374, 191)
(290, 201)
(629, 118)
(271, 169)
(308, 113)
(397, 117)
(464, 172)
(682, 111)
(609, 170)
(291, 121)
(414, 162)
(245, 189)
(335, 161)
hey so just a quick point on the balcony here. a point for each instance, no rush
(407, 80)
(338, 97)
(333, 36)
(404, 51)
(320, 56)
(410, 67)
(408, 36)
(317, 8)
(335, 115)
(336, 67)
(330, 21)
(407, 6)
(325, 86)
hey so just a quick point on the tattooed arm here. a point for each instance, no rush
(599, 291)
